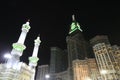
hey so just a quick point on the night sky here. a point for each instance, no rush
(52, 19)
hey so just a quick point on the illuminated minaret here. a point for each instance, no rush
(34, 59)
(18, 47)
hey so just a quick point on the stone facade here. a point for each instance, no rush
(105, 57)
(22, 72)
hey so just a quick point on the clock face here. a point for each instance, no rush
(73, 26)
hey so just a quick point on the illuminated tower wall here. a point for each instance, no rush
(116, 50)
(81, 70)
(85, 69)
(93, 68)
(105, 59)
(25, 72)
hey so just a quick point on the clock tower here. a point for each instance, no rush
(77, 46)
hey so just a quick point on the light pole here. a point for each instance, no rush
(7, 56)
(47, 76)
(88, 78)
(104, 72)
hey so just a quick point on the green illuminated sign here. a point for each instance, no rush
(73, 26)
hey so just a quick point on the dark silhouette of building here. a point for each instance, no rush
(58, 60)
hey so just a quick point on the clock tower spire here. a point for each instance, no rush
(74, 26)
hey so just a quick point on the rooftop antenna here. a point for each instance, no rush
(39, 35)
(73, 17)
(28, 20)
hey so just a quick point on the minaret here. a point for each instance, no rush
(18, 47)
(34, 59)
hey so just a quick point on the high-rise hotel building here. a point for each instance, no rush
(116, 50)
(77, 46)
(105, 57)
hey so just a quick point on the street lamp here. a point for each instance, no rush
(47, 76)
(7, 56)
(103, 72)
(88, 78)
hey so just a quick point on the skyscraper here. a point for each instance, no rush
(77, 46)
(58, 60)
(58, 63)
(104, 55)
